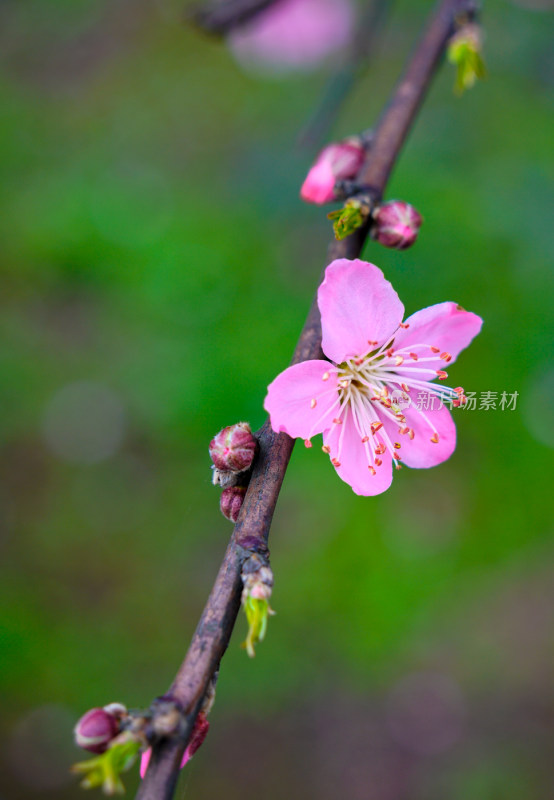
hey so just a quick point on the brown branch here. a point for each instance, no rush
(221, 17)
(252, 529)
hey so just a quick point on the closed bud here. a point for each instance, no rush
(336, 162)
(396, 224)
(96, 729)
(199, 733)
(233, 449)
(231, 501)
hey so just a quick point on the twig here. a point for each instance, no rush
(252, 529)
(222, 16)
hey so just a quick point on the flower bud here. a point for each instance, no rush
(233, 448)
(231, 501)
(96, 729)
(199, 733)
(396, 224)
(336, 162)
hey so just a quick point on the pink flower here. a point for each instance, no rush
(199, 733)
(373, 399)
(293, 34)
(337, 161)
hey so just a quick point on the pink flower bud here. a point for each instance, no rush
(231, 501)
(336, 162)
(95, 730)
(199, 733)
(233, 448)
(396, 224)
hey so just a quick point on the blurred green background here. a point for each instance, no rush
(157, 267)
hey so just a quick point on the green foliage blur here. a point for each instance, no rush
(157, 266)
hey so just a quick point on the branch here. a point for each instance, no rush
(220, 18)
(252, 529)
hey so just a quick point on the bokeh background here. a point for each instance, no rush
(157, 266)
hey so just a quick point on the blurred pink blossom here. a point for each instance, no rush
(293, 35)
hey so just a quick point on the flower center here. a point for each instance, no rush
(379, 386)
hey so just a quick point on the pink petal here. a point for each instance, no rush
(319, 186)
(145, 760)
(337, 161)
(354, 463)
(445, 325)
(300, 400)
(357, 306)
(421, 451)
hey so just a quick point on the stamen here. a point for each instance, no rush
(390, 352)
(378, 462)
(337, 421)
(372, 344)
(397, 445)
(325, 376)
(365, 439)
(326, 449)
(404, 430)
(435, 349)
(372, 470)
(398, 466)
(435, 438)
(375, 426)
(411, 433)
(405, 325)
(405, 388)
(459, 389)
(398, 360)
(307, 443)
(313, 402)
(335, 462)
(328, 411)
(380, 449)
(446, 357)
(442, 375)
(414, 356)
